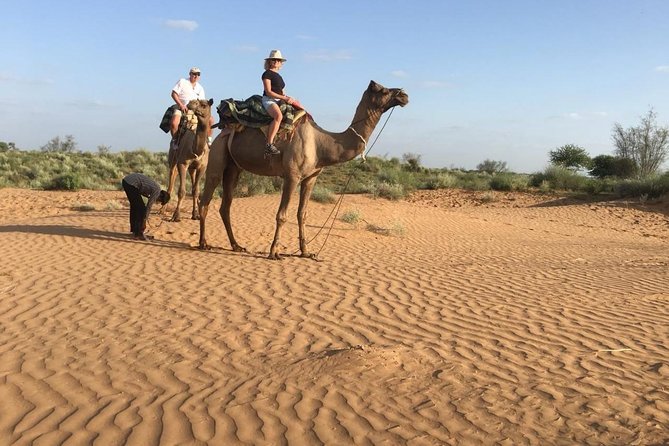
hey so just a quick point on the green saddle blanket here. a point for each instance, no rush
(251, 113)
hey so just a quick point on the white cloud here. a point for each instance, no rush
(186, 25)
(400, 73)
(328, 55)
(662, 68)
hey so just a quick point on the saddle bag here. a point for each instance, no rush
(165, 123)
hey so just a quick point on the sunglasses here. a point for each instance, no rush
(195, 74)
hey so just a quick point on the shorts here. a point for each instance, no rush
(267, 102)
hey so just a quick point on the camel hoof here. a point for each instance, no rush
(176, 219)
(204, 247)
(195, 217)
(274, 256)
(237, 248)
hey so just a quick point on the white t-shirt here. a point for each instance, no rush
(187, 92)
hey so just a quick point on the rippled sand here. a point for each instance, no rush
(461, 319)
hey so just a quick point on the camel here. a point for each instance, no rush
(191, 152)
(303, 157)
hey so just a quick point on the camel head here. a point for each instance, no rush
(385, 98)
(201, 108)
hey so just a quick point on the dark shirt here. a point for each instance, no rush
(276, 80)
(146, 187)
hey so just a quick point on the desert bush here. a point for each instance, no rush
(390, 191)
(83, 207)
(67, 181)
(322, 194)
(501, 182)
(492, 167)
(352, 216)
(395, 228)
(650, 187)
(560, 178)
(443, 180)
(250, 185)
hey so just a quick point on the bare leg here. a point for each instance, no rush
(276, 114)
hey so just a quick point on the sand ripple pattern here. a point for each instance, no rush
(493, 326)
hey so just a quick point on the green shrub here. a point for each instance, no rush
(501, 182)
(439, 181)
(322, 194)
(353, 216)
(66, 181)
(390, 191)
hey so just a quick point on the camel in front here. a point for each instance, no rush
(303, 157)
(191, 152)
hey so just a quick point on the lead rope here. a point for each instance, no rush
(337, 205)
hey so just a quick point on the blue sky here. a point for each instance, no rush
(501, 80)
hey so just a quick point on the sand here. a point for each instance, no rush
(462, 319)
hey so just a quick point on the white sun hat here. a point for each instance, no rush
(275, 55)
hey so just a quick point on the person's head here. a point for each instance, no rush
(275, 60)
(194, 74)
(164, 197)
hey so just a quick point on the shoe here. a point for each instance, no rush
(270, 149)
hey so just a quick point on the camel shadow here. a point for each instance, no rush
(87, 233)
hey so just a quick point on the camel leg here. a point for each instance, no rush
(195, 175)
(182, 191)
(212, 180)
(230, 178)
(289, 185)
(305, 193)
(171, 178)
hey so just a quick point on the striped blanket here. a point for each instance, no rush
(251, 113)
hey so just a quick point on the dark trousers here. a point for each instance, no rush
(137, 208)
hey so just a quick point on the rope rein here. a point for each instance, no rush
(337, 205)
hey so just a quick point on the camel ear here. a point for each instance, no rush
(374, 87)
(210, 101)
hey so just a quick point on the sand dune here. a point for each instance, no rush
(522, 320)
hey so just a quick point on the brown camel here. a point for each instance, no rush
(192, 153)
(302, 158)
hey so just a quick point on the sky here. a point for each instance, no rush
(487, 79)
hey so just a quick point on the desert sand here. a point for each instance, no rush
(462, 319)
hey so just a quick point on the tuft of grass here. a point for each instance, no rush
(395, 229)
(83, 207)
(113, 205)
(352, 216)
(489, 197)
(322, 194)
(389, 191)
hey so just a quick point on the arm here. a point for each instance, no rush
(267, 84)
(181, 106)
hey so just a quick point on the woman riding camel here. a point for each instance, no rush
(273, 94)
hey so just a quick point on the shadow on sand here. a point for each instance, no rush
(93, 234)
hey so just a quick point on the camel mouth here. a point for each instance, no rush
(400, 98)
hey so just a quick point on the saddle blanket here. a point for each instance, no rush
(251, 113)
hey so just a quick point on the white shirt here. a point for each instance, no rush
(187, 92)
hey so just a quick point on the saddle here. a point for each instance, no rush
(238, 115)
